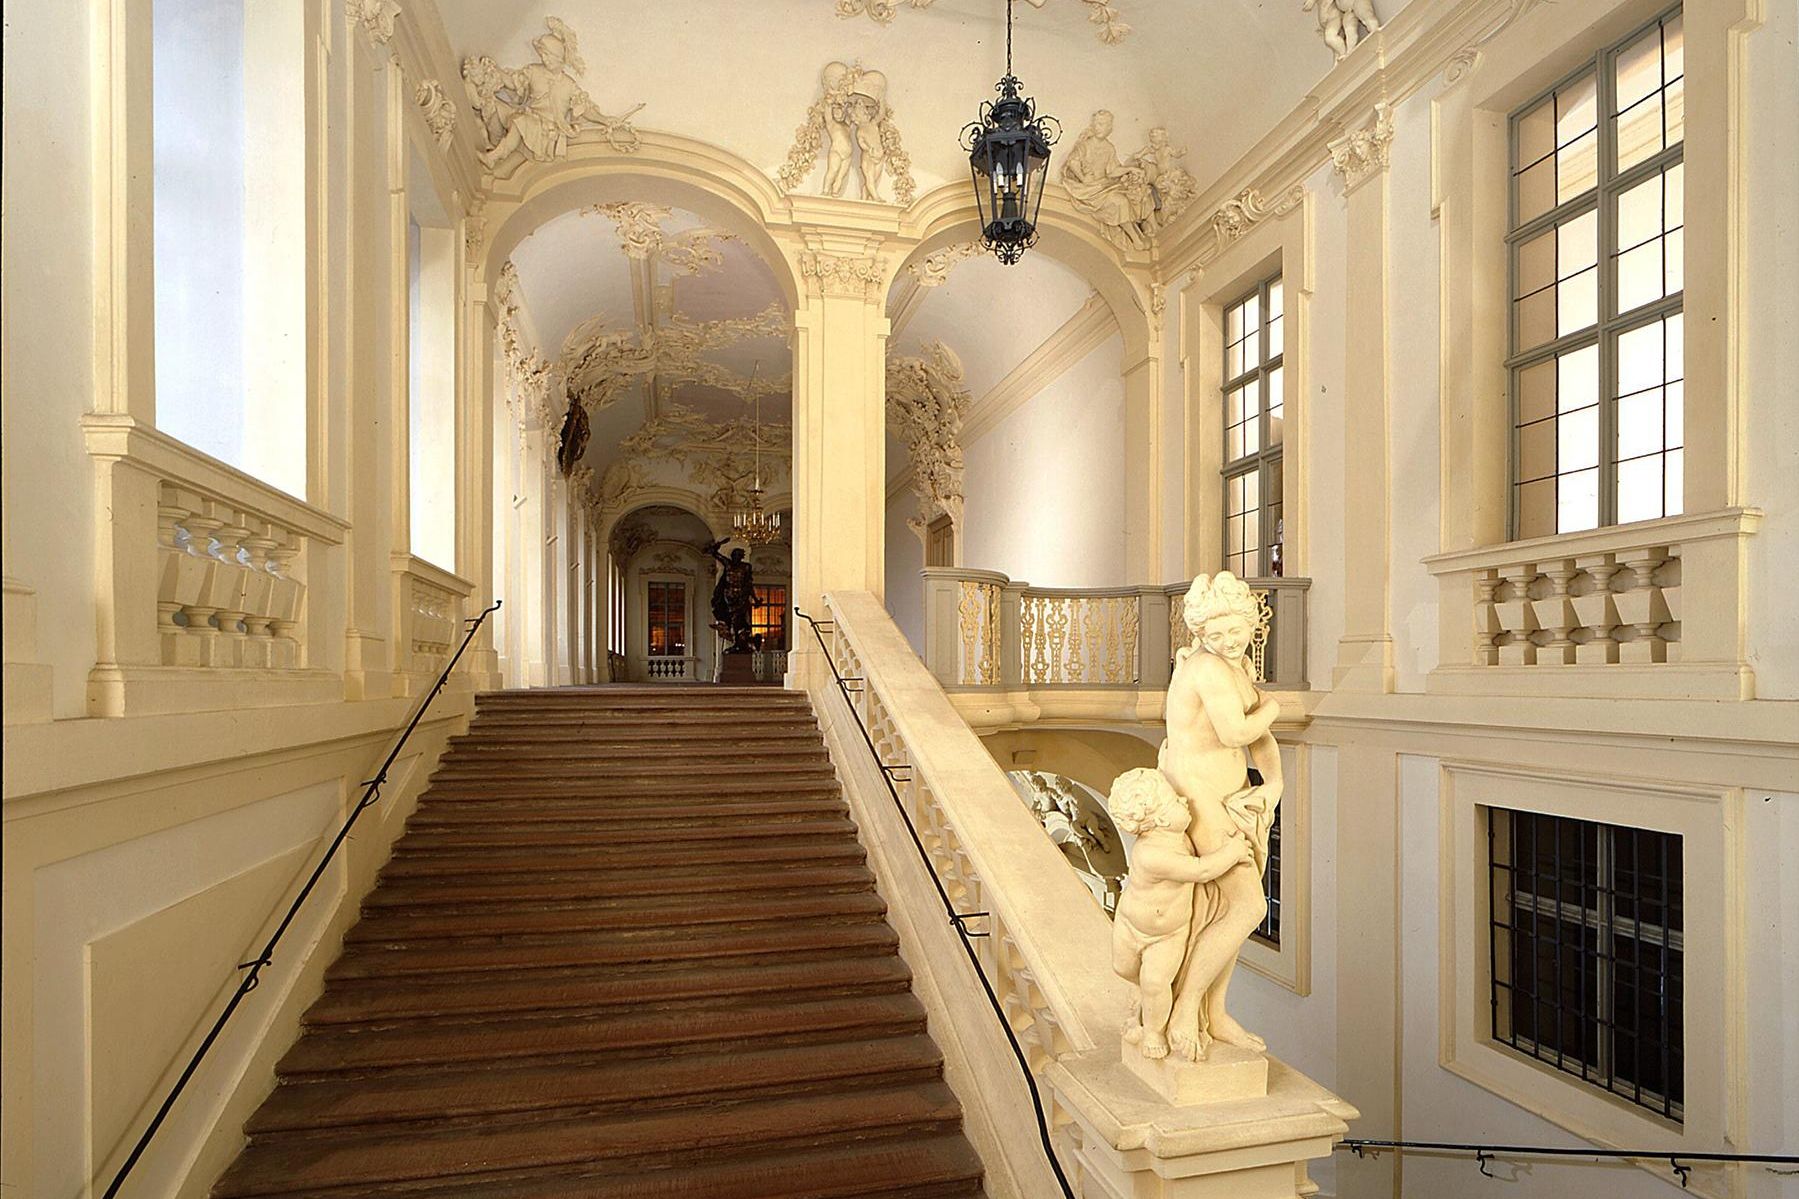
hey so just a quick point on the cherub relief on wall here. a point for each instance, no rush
(534, 111)
(1133, 198)
(853, 124)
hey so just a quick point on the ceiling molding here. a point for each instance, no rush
(1081, 334)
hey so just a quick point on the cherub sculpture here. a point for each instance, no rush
(1155, 913)
(536, 109)
(852, 124)
(1343, 23)
(1218, 728)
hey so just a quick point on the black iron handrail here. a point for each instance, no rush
(371, 792)
(958, 920)
(1484, 1154)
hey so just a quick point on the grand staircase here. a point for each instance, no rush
(627, 948)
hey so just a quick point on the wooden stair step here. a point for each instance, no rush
(412, 1047)
(406, 924)
(649, 798)
(470, 955)
(451, 1095)
(372, 1002)
(506, 862)
(628, 1142)
(612, 885)
(692, 827)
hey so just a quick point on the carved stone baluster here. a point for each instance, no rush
(1643, 607)
(233, 590)
(1555, 613)
(172, 512)
(284, 605)
(1488, 627)
(258, 648)
(200, 648)
(1517, 615)
(1667, 578)
(1598, 611)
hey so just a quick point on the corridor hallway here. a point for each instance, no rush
(627, 947)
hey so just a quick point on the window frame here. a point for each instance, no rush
(1265, 455)
(649, 618)
(1610, 325)
(1606, 926)
(759, 604)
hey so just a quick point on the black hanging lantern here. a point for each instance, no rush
(1008, 154)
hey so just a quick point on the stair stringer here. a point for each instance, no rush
(978, 1063)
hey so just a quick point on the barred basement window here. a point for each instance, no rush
(1254, 429)
(1586, 952)
(1597, 329)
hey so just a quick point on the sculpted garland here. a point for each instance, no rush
(851, 121)
(1194, 891)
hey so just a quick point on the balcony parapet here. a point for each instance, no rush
(1655, 608)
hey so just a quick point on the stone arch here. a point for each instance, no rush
(667, 169)
(948, 215)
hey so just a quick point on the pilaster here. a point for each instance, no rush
(1365, 652)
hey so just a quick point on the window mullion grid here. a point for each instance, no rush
(1605, 96)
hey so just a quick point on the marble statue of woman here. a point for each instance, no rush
(1218, 726)
(1117, 194)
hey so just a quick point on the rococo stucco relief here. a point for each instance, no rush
(1103, 13)
(927, 400)
(1343, 23)
(534, 111)
(1131, 198)
(853, 124)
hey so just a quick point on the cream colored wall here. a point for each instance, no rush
(1044, 488)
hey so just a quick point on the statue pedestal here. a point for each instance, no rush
(737, 670)
(1124, 1142)
(1228, 1072)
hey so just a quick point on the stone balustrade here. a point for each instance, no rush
(1042, 946)
(1577, 612)
(227, 594)
(983, 630)
(660, 669)
(429, 604)
(201, 574)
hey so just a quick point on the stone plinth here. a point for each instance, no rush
(1229, 1072)
(737, 670)
(1126, 1142)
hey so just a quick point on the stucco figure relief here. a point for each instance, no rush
(440, 111)
(1361, 153)
(534, 111)
(376, 17)
(1194, 892)
(852, 123)
(1343, 23)
(934, 268)
(642, 237)
(1132, 198)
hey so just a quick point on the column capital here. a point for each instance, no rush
(1363, 153)
(856, 277)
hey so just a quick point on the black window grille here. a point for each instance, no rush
(1587, 957)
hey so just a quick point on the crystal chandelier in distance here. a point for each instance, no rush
(1008, 156)
(750, 523)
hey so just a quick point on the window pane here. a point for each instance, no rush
(1536, 264)
(1536, 134)
(1639, 132)
(1536, 508)
(1536, 190)
(1577, 302)
(1577, 502)
(1577, 439)
(1577, 110)
(1577, 379)
(1277, 335)
(1536, 391)
(1276, 300)
(1233, 324)
(1536, 451)
(1535, 317)
(1640, 276)
(1640, 358)
(1640, 489)
(1640, 213)
(1277, 381)
(1577, 244)
(1640, 424)
(1673, 484)
(1577, 168)
(1639, 69)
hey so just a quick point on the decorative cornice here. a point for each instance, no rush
(838, 275)
(1102, 13)
(1364, 152)
(933, 269)
(1235, 217)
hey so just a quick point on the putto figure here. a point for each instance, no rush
(1155, 913)
(852, 123)
(1343, 23)
(1218, 728)
(535, 110)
